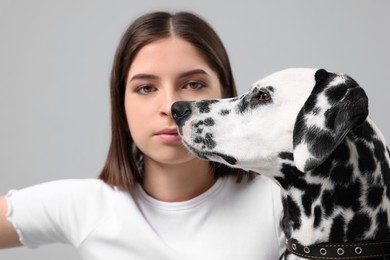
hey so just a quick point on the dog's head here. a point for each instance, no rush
(304, 111)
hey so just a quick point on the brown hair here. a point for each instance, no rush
(121, 168)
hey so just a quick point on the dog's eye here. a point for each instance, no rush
(263, 96)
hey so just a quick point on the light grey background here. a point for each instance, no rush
(55, 61)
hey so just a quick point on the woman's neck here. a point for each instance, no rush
(174, 183)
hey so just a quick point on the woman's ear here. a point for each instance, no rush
(336, 105)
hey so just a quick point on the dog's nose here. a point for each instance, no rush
(181, 110)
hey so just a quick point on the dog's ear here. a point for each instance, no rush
(336, 105)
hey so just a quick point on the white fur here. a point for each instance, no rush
(301, 153)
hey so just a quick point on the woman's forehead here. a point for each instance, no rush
(168, 55)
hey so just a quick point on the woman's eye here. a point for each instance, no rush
(145, 89)
(195, 85)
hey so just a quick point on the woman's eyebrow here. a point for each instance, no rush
(193, 72)
(143, 76)
(181, 75)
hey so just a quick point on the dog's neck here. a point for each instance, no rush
(345, 199)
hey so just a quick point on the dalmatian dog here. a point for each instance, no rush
(309, 130)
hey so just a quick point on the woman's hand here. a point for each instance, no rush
(8, 236)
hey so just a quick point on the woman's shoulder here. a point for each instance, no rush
(77, 184)
(69, 185)
(63, 210)
(80, 190)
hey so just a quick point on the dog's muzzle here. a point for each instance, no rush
(181, 111)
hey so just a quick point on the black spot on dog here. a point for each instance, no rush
(209, 121)
(379, 150)
(374, 196)
(386, 176)
(327, 203)
(330, 117)
(198, 140)
(319, 141)
(336, 93)
(363, 131)
(291, 217)
(320, 75)
(286, 156)
(324, 169)
(342, 153)
(292, 177)
(197, 124)
(366, 159)
(335, 166)
(323, 79)
(337, 230)
(341, 174)
(199, 131)
(382, 222)
(243, 105)
(359, 224)
(204, 105)
(209, 141)
(348, 196)
(224, 112)
(310, 104)
(356, 103)
(311, 193)
(299, 129)
(317, 216)
(311, 164)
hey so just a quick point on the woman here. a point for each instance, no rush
(154, 199)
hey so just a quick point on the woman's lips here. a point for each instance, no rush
(168, 135)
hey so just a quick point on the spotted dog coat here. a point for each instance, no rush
(309, 130)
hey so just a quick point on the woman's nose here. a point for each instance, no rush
(169, 98)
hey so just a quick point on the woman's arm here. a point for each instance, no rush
(8, 235)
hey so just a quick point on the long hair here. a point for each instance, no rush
(121, 168)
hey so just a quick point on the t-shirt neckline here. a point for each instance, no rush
(181, 205)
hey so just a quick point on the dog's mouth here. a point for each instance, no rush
(211, 155)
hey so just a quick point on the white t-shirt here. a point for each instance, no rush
(229, 221)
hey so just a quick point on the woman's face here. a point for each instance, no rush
(163, 72)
